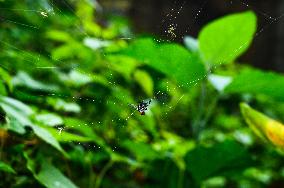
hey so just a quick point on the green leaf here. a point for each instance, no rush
(6, 77)
(171, 59)
(141, 150)
(16, 109)
(258, 82)
(49, 119)
(45, 135)
(49, 176)
(63, 136)
(6, 168)
(145, 81)
(14, 125)
(2, 89)
(23, 79)
(58, 36)
(61, 105)
(225, 39)
(22, 113)
(220, 159)
(82, 127)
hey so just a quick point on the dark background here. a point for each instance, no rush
(156, 16)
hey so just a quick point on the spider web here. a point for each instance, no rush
(168, 24)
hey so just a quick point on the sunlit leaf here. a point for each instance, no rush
(64, 136)
(49, 119)
(171, 59)
(225, 39)
(58, 35)
(145, 81)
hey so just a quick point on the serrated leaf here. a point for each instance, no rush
(225, 39)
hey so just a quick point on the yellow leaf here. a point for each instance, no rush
(263, 126)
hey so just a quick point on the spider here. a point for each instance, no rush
(142, 106)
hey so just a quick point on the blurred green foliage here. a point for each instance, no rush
(68, 74)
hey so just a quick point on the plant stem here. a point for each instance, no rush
(102, 173)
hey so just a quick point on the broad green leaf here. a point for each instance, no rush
(58, 36)
(263, 126)
(6, 168)
(17, 105)
(258, 82)
(61, 105)
(171, 59)
(16, 109)
(225, 39)
(23, 79)
(219, 159)
(45, 135)
(66, 51)
(21, 112)
(14, 125)
(63, 136)
(145, 81)
(76, 78)
(48, 175)
(49, 119)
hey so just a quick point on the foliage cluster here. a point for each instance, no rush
(68, 75)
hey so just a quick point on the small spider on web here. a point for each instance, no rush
(142, 106)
